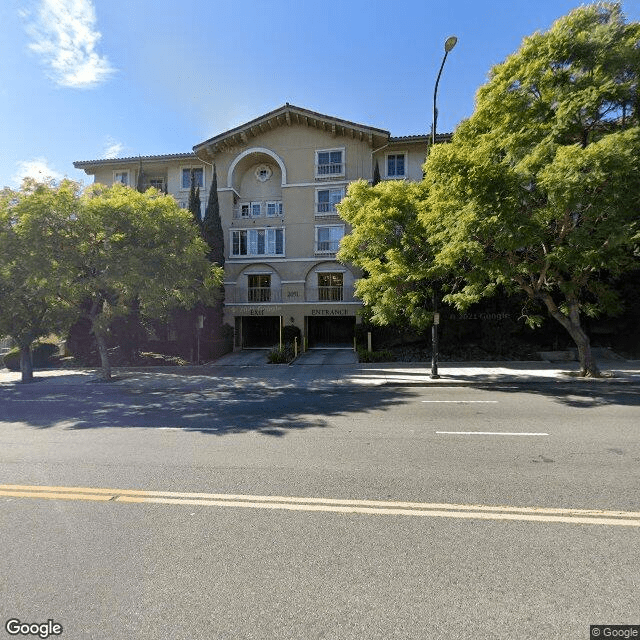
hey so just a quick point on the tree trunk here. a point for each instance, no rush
(96, 308)
(588, 366)
(26, 363)
(105, 372)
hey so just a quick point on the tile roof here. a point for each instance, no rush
(79, 164)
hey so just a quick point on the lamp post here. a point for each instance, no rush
(448, 45)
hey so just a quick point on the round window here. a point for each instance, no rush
(263, 173)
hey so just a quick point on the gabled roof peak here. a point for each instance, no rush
(288, 115)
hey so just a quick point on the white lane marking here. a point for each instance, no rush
(189, 428)
(370, 507)
(461, 401)
(492, 433)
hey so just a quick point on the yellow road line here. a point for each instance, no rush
(55, 495)
(335, 505)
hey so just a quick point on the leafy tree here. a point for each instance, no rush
(539, 190)
(129, 246)
(389, 244)
(33, 231)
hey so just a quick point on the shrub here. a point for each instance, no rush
(375, 356)
(42, 355)
(281, 356)
(148, 359)
(290, 332)
(11, 359)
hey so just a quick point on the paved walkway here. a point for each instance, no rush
(317, 376)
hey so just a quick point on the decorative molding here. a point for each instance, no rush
(248, 152)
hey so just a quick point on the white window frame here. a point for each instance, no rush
(263, 292)
(255, 209)
(158, 179)
(396, 176)
(342, 163)
(252, 242)
(317, 241)
(122, 172)
(190, 168)
(277, 205)
(330, 292)
(331, 211)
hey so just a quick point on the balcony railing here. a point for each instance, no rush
(326, 209)
(333, 294)
(159, 184)
(273, 295)
(258, 295)
(329, 169)
(330, 294)
(330, 246)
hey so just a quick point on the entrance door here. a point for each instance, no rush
(331, 332)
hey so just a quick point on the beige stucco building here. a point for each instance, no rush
(279, 178)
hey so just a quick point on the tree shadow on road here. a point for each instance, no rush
(580, 394)
(227, 409)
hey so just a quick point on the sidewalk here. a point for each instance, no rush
(211, 376)
(461, 373)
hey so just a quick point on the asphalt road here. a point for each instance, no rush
(491, 560)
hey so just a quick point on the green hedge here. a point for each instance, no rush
(43, 354)
(374, 356)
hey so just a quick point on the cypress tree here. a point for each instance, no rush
(214, 237)
(140, 180)
(376, 175)
(212, 224)
(194, 201)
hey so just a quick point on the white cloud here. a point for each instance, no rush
(112, 149)
(64, 36)
(37, 168)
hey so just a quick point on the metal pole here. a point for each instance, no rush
(435, 95)
(448, 45)
(434, 338)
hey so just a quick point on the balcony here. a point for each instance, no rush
(326, 210)
(330, 294)
(330, 170)
(256, 295)
(273, 295)
(327, 247)
(159, 183)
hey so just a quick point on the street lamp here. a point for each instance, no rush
(448, 45)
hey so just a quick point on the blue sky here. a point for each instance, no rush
(88, 79)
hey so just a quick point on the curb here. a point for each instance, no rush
(494, 383)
